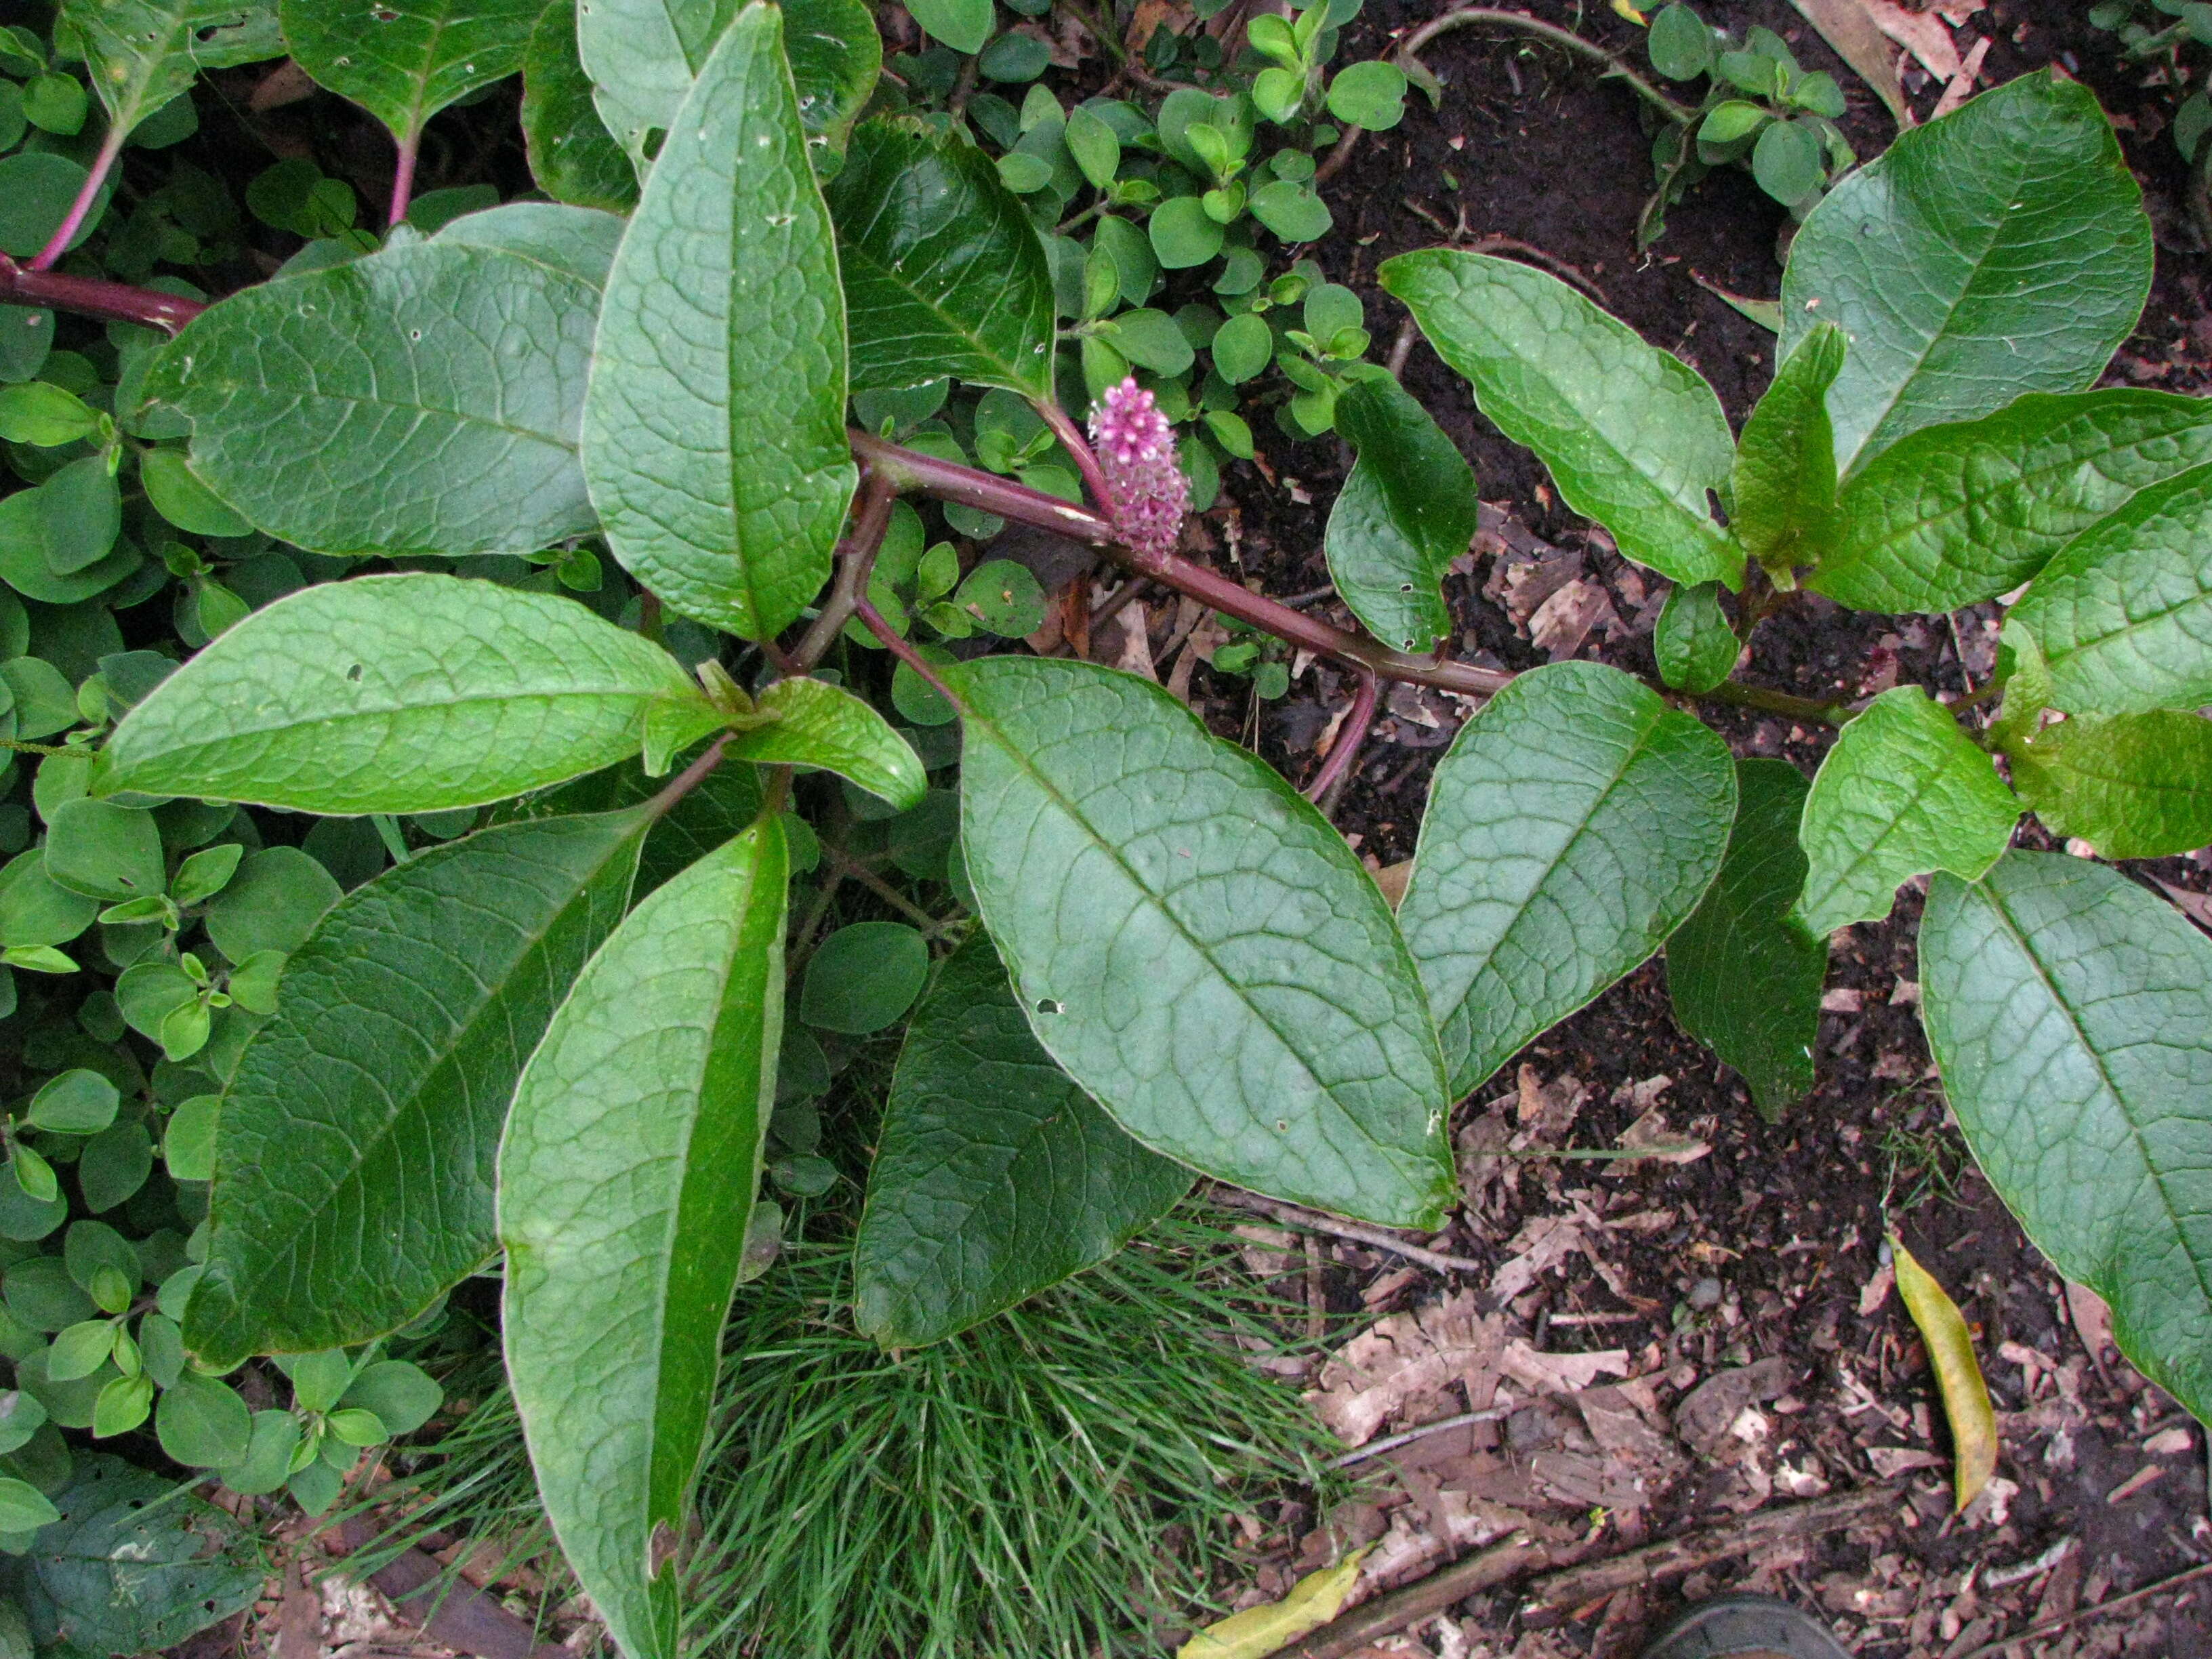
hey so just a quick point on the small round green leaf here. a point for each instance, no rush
(272, 903)
(1681, 44)
(1183, 233)
(183, 500)
(104, 851)
(202, 1424)
(864, 977)
(78, 1102)
(404, 1397)
(1372, 94)
(1786, 162)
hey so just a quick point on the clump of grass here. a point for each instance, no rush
(1047, 1485)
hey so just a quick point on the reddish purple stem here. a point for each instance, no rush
(58, 243)
(1351, 738)
(872, 620)
(90, 296)
(403, 178)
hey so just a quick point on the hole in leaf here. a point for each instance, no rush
(354, 674)
(1048, 1006)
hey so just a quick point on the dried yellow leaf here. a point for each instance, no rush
(1957, 1374)
(1625, 9)
(1258, 1631)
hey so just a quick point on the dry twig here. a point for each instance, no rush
(1290, 1216)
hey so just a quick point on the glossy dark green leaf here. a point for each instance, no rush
(1953, 514)
(944, 273)
(1573, 825)
(1633, 436)
(2133, 786)
(1744, 973)
(1785, 464)
(1408, 509)
(629, 1166)
(1195, 945)
(1903, 792)
(405, 60)
(142, 53)
(395, 694)
(1694, 643)
(643, 55)
(818, 724)
(994, 1176)
(572, 156)
(424, 399)
(2123, 612)
(2002, 249)
(715, 427)
(370, 1107)
(2071, 1013)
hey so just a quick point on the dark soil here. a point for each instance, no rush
(1785, 1221)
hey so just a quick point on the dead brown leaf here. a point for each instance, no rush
(1401, 1358)
(1848, 27)
(1560, 1373)
(1563, 620)
(1707, 1414)
(1543, 1242)
(1922, 34)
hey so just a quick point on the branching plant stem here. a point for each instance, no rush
(1408, 51)
(856, 562)
(58, 243)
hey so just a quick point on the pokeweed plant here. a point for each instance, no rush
(558, 1044)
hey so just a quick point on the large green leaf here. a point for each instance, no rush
(1194, 944)
(579, 242)
(2133, 786)
(629, 1165)
(1574, 824)
(2123, 614)
(944, 276)
(715, 427)
(135, 1565)
(818, 723)
(424, 399)
(572, 156)
(643, 55)
(1785, 465)
(354, 1151)
(395, 694)
(142, 53)
(2002, 249)
(1633, 436)
(2071, 1013)
(995, 1177)
(1745, 974)
(1408, 509)
(1954, 515)
(1903, 792)
(405, 60)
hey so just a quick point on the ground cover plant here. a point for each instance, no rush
(559, 1041)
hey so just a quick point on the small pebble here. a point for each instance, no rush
(1705, 1295)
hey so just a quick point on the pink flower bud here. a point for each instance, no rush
(1137, 453)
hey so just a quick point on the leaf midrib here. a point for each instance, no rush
(1850, 463)
(532, 942)
(1113, 853)
(1647, 724)
(2104, 1079)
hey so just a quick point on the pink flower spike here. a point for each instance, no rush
(1137, 453)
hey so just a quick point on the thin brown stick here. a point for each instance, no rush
(1118, 601)
(1334, 163)
(1386, 1614)
(1579, 1585)
(872, 620)
(852, 870)
(2083, 1615)
(1292, 1216)
(1408, 50)
(1391, 1443)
